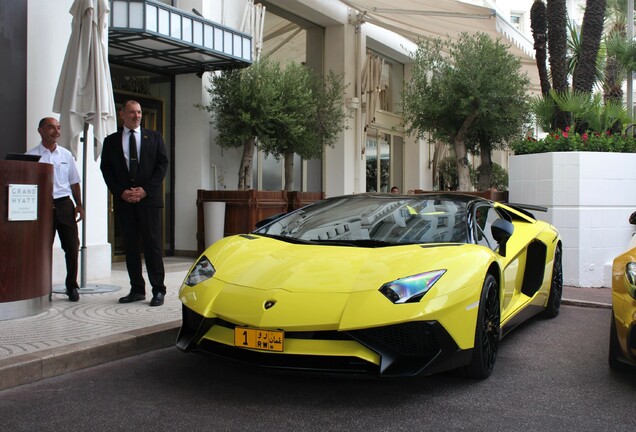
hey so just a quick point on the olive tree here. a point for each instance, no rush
(309, 115)
(469, 93)
(241, 110)
(281, 111)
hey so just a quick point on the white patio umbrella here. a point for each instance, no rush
(84, 93)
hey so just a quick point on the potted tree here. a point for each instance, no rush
(241, 109)
(470, 95)
(280, 111)
(309, 117)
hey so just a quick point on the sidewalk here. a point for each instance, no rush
(98, 329)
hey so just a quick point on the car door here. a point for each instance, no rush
(512, 278)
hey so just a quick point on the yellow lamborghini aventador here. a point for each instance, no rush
(622, 346)
(381, 284)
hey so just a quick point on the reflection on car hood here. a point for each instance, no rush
(259, 262)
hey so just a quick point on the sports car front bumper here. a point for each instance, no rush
(406, 349)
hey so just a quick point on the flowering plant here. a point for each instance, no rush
(562, 141)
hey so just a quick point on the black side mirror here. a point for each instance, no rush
(502, 230)
(632, 218)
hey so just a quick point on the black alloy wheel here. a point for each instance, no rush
(487, 332)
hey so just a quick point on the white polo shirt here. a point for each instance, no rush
(65, 171)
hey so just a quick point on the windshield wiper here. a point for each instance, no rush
(369, 243)
(358, 243)
(286, 239)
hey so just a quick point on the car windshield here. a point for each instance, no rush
(376, 220)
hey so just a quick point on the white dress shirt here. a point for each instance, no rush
(125, 139)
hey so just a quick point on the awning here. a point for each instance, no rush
(152, 36)
(428, 19)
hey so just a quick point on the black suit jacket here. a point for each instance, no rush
(153, 165)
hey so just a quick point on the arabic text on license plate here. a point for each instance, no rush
(266, 340)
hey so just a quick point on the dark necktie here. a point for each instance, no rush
(132, 153)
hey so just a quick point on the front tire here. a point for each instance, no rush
(487, 332)
(553, 306)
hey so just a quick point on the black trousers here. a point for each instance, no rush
(66, 227)
(145, 224)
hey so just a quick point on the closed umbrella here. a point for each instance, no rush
(371, 75)
(84, 93)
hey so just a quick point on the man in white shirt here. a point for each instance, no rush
(66, 183)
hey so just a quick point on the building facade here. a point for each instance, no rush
(370, 48)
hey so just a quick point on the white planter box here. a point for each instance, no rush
(589, 196)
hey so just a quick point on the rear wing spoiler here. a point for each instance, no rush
(523, 208)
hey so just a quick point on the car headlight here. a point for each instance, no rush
(630, 278)
(202, 270)
(412, 288)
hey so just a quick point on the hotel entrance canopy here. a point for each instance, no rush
(152, 36)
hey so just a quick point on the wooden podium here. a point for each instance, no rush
(25, 238)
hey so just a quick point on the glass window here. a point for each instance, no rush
(384, 148)
(272, 173)
(186, 33)
(397, 157)
(485, 215)
(175, 27)
(377, 220)
(515, 20)
(120, 14)
(384, 153)
(164, 22)
(371, 154)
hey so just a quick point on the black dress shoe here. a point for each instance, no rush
(157, 300)
(73, 294)
(132, 297)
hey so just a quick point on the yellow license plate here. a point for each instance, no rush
(266, 340)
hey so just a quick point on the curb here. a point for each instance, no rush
(583, 303)
(29, 368)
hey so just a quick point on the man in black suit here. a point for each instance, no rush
(134, 164)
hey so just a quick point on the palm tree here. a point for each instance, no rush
(583, 64)
(591, 33)
(539, 25)
(556, 14)
(615, 37)
(575, 49)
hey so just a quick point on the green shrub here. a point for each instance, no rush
(498, 179)
(562, 141)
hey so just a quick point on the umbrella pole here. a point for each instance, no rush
(84, 288)
(83, 246)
